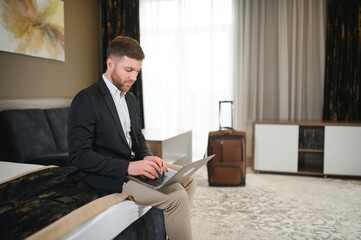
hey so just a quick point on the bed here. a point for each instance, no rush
(109, 223)
(119, 218)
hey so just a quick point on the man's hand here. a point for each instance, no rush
(148, 167)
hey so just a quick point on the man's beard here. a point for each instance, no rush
(122, 86)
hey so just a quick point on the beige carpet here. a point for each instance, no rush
(278, 207)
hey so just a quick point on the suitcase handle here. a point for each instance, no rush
(220, 112)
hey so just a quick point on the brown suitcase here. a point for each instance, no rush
(228, 167)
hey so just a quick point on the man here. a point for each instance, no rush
(106, 142)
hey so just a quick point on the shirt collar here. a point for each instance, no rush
(112, 88)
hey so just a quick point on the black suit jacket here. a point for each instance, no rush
(97, 144)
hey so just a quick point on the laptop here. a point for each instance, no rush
(172, 176)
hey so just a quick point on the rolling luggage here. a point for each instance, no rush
(228, 167)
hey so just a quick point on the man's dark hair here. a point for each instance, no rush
(125, 46)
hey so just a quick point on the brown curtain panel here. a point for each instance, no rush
(121, 17)
(342, 90)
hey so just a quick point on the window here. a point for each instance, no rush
(188, 66)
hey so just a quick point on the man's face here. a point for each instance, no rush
(123, 71)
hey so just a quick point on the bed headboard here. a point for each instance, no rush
(42, 103)
(6, 150)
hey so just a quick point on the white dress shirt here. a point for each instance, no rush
(122, 108)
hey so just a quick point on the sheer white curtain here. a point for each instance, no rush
(281, 46)
(189, 64)
(274, 70)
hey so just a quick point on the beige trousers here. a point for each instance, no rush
(174, 200)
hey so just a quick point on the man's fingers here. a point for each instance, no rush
(165, 167)
(147, 168)
(155, 159)
(162, 165)
(152, 169)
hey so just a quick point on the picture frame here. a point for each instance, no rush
(33, 27)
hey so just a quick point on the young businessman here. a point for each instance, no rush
(106, 142)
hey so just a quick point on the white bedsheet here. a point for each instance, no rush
(11, 169)
(105, 225)
(109, 223)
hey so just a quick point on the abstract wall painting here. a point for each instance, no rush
(33, 27)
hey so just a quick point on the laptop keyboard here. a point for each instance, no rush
(160, 180)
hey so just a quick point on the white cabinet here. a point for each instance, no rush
(319, 148)
(276, 147)
(174, 146)
(342, 150)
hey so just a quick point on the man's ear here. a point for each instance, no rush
(110, 63)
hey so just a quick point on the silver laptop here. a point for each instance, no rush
(172, 176)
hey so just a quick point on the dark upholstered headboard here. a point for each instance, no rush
(36, 112)
(41, 103)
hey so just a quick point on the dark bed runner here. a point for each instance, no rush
(33, 201)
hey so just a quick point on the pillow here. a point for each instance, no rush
(5, 150)
(58, 123)
(28, 133)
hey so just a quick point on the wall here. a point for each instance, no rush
(27, 77)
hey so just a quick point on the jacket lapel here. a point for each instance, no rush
(111, 106)
(133, 122)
